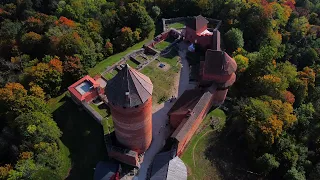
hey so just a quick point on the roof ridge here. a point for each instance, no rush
(135, 86)
(138, 74)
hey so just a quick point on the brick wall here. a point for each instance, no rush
(133, 126)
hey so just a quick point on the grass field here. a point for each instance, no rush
(194, 156)
(162, 80)
(178, 25)
(100, 67)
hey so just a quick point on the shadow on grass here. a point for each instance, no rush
(83, 136)
(226, 154)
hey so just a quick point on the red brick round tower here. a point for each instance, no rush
(220, 68)
(130, 100)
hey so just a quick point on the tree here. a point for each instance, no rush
(234, 39)
(36, 90)
(47, 76)
(242, 62)
(267, 162)
(155, 12)
(294, 174)
(315, 173)
(73, 69)
(108, 48)
(309, 57)
(299, 28)
(136, 16)
(36, 127)
(10, 96)
(30, 42)
(125, 39)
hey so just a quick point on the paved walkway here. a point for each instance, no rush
(159, 118)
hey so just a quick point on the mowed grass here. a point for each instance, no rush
(163, 81)
(177, 25)
(132, 64)
(199, 167)
(162, 45)
(100, 67)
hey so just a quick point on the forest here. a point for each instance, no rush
(46, 45)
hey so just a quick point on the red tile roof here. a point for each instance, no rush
(186, 101)
(218, 63)
(197, 23)
(72, 88)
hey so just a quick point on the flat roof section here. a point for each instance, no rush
(102, 82)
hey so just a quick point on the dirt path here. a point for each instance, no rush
(194, 162)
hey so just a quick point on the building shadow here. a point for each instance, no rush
(83, 136)
(227, 155)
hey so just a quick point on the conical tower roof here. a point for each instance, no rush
(129, 88)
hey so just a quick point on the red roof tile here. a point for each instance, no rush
(186, 101)
(218, 63)
(197, 23)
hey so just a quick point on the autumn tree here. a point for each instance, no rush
(47, 75)
(30, 42)
(36, 90)
(72, 69)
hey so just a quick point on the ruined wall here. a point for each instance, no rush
(133, 126)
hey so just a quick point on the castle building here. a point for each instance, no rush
(130, 100)
(197, 32)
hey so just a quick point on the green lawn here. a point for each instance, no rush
(109, 75)
(82, 137)
(203, 168)
(107, 124)
(162, 45)
(178, 25)
(102, 111)
(100, 67)
(132, 64)
(162, 80)
(165, 43)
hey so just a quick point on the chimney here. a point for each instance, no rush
(216, 40)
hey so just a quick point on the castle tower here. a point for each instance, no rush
(130, 100)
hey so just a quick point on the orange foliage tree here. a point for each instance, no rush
(63, 21)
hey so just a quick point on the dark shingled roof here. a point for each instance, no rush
(186, 101)
(197, 22)
(164, 167)
(105, 170)
(129, 88)
(219, 63)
